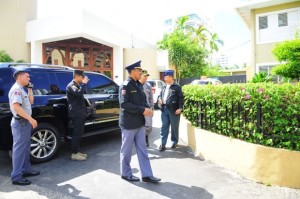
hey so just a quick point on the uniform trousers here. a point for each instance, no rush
(168, 119)
(21, 131)
(148, 124)
(135, 137)
(78, 129)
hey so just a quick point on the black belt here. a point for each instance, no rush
(19, 118)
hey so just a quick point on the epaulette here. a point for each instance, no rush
(125, 83)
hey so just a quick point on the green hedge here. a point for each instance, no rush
(261, 113)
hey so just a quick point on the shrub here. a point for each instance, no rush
(4, 57)
(261, 113)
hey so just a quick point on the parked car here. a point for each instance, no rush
(206, 81)
(157, 86)
(50, 107)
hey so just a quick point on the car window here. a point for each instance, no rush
(160, 85)
(101, 85)
(63, 78)
(54, 88)
(40, 81)
(5, 81)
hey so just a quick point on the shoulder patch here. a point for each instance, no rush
(125, 83)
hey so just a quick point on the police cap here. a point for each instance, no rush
(78, 72)
(19, 70)
(145, 73)
(169, 73)
(134, 66)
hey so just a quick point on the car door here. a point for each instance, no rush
(103, 99)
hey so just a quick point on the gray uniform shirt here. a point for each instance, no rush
(18, 95)
(149, 95)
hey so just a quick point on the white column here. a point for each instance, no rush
(118, 65)
(36, 52)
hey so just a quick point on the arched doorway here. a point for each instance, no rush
(80, 53)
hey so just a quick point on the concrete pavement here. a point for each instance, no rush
(183, 175)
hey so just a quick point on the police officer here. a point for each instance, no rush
(77, 111)
(149, 98)
(171, 101)
(133, 109)
(22, 123)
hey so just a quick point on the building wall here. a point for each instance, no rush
(262, 53)
(13, 17)
(148, 57)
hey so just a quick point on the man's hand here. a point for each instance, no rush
(148, 112)
(178, 111)
(33, 123)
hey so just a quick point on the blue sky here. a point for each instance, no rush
(145, 18)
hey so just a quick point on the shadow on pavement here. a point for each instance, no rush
(176, 191)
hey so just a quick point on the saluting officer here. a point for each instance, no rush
(77, 111)
(22, 123)
(133, 109)
(171, 101)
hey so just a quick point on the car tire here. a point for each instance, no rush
(45, 141)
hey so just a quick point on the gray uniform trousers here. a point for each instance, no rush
(137, 137)
(21, 131)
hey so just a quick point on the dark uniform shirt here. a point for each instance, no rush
(174, 99)
(132, 104)
(76, 101)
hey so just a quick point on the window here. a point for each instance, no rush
(263, 22)
(40, 81)
(100, 84)
(5, 81)
(63, 80)
(282, 19)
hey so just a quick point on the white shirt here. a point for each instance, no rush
(166, 93)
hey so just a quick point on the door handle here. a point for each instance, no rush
(99, 102)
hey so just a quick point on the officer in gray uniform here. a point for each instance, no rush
(149, 98)
(22, 124)
(133, 109)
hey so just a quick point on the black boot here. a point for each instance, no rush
(147, 141)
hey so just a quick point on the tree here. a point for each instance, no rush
(189, 48)
(288, 53)
(4, 57)
(185, 53)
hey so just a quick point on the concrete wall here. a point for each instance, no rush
(13, 17)
(262, 164)
(148, 57)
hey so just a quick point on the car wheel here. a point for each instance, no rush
(45, 141)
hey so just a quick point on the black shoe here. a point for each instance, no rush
(22, 182)
(174, 146)
(147, 141)
(151, 179)
(162, 147)
(31, 173)
(130, 178)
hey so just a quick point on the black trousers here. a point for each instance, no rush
(78, 129)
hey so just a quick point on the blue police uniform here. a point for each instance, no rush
(132, 122)
(172, 100)
(76, 111)
(21, 131)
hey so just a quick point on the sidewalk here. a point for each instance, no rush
(183, 175)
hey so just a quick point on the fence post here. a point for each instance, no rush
(258, 118)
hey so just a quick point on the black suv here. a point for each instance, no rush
(50, 107)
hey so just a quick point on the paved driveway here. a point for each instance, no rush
(183, 175)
